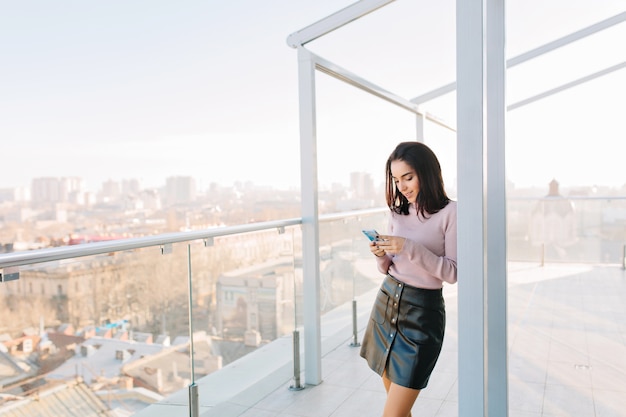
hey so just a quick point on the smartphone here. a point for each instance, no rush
(371, 234)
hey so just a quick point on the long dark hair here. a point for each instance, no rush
(432, 195)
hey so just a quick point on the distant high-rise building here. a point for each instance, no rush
(56, 190)
(362, 185)
(110, 191)
(151, 199)
(22, 193)
(131, 187)
(7, 194)
(45, 190)
(180, 190)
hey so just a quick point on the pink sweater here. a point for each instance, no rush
(428, 257)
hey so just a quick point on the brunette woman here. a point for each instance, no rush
(405, 332)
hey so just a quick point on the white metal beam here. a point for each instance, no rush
(567, 86)
(334, 21)
(526, 56)
(566, 40)
(419, 128)
(483, 388)
(310, 219)
(471, 207)
(495, 216)
(348, 77)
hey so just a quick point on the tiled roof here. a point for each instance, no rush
(169, 371)
(73, 399)
(11, 372)
(103, 358)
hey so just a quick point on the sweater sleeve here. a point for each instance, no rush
(441, 267)
(383, 263)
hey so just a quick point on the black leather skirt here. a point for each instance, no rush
(405, 333)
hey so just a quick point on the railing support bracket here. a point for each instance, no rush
(11, 273)
(355, 330)
(297, 386)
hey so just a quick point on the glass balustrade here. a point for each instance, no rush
(559, 229)
(120, 322)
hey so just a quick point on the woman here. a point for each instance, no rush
(405, 332)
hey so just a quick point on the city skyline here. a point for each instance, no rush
(134, 185)
(122, 186)
(108, 91)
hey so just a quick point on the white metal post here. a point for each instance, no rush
(471, 207)
(497, 370)
(419, 127)
(310, 219)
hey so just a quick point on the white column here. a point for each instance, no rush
(310, 219)
(419, 127)
(471, 207)
(482, 208)
(497, 373)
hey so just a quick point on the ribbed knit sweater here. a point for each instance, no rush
(428, 256)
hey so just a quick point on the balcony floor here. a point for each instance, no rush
(567, 355)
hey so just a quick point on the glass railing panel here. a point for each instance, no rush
(566, 345)
(600, 230)
(347, 267)
(121, 321)
(246, 293)
(243, 286)
(559, 229)
(336, 265)
(298, 277)
(297, 304)
(565, 312)
(116, 323)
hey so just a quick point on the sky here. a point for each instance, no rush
(150, 89)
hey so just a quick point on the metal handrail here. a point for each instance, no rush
(355, 213)
(570, 197)
(97, 248)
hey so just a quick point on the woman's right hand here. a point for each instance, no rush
(376, 250)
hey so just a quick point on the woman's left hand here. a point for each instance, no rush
(391, 244)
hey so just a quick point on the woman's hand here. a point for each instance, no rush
(389, 244)
(377, 251)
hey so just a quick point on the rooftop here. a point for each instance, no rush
(564, 324)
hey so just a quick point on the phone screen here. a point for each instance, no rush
(371, 234)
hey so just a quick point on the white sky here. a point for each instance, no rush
(153, 88)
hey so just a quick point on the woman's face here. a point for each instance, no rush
(406, 180)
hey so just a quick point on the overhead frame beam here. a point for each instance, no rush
(348, 77)
(566, 40)
(567, 86)
(526, 56)
(334, 21)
